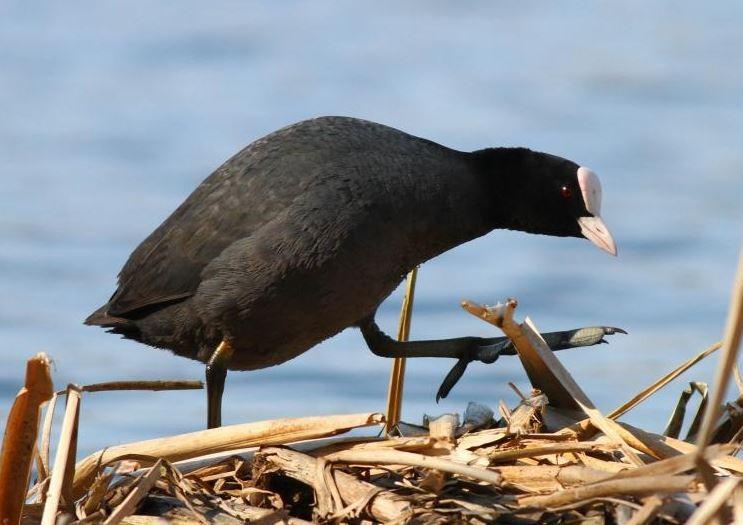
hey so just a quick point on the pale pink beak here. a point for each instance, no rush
(593, 228)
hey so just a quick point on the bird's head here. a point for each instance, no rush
(550, 195)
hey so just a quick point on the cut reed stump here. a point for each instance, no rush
(20, 438)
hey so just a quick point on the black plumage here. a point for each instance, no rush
(306, 231)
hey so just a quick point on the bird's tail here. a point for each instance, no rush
(101, 318)
(116, 325)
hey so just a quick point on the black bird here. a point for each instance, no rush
(306, 231)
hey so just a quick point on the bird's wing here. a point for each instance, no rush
(229, 205)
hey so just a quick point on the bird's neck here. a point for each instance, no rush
(502, 174)
(469, 201)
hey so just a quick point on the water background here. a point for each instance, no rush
(111, 113)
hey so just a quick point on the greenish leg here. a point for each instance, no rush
(216, 373)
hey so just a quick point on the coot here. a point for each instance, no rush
(306, 231)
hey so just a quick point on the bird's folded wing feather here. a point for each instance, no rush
(229, 205)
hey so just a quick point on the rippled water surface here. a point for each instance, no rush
(111, 114)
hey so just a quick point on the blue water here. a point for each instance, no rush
(111, 113)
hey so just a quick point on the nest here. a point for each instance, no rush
(553, 458)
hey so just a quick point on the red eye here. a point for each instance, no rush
(566, 192)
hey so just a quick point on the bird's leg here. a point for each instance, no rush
(468, 349)
(485, 349)
(216, 373)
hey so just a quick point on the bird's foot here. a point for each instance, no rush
(489, 350)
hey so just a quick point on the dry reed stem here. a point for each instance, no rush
(397, 375)
(483, 438)
(527, 417)
(714, 504)
(556, 448)
(194, 444)
(41, 471)
(95, 494)
(143, 385)
(612, 467)
(410, 444)
(135, 496)
(649, 510)
(64, 458)
(20, 437)
(661, 382)
(613, 487)
(730, 344)
(738, 505)
(674, 465)
(46, 436)
(382, 505)
(69, 469)
(738, 379)
(651, 444)
(669, 447)
(397, 457)
(561, 475)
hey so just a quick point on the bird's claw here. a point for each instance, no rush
(451, 379)
(484, 353)
(610, 330)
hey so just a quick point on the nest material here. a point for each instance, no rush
(520, 472)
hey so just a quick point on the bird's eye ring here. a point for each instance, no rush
(566, 192)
